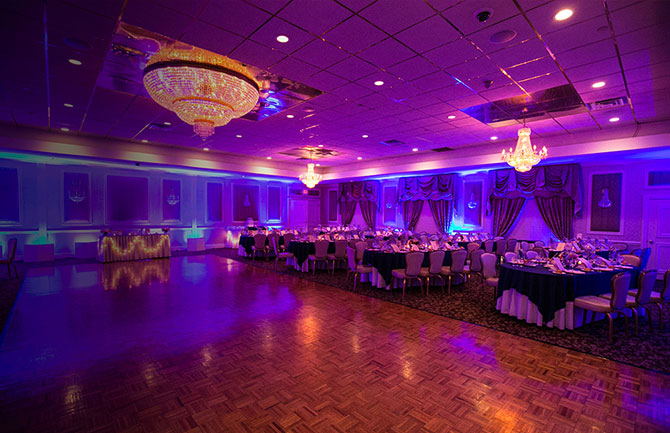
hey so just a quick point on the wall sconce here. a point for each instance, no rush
(605, 201)
(472, 203)
(172, 198)
(76, 193)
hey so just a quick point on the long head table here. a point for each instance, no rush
(133, 247)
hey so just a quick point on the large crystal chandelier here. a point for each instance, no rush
(524, 156)
(204, 89)
(310, 179)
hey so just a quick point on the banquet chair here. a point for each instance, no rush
(632, 260)
(288, 237)
(542, 252)
(9, 261)
(489, 271)
(636, 252)
(412, 271)
(644, 257)
(489, 245)
(525, 246)
(614, 305)
(320, 254)
(472, 246)
(620, 246)
(279, 254)
(640, 297)
(340, 254)
(511, 245)
(509, 257)
(475, 266)
(659, 298)
(457, 268)
(539, 244)
(532, 255)
(354, 267)
(273, 237)
(436, 259)
(361, 246)
(501, 247)
(259, 245)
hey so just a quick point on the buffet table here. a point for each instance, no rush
(133, 247)
(537, 295)
(383, 264)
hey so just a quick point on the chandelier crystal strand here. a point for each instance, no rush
(204, 89)
(525, 156)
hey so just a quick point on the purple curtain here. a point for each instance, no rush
(438, 187)
(347, 209)
(411, 213)
(360, 190)
(369, 211)
(557, 213)
(505, 212)
(441, 210)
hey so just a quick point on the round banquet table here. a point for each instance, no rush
(301, 250)
(247, 241)
(537, 295)
(605, 254)
(464, 245)
(383, 264)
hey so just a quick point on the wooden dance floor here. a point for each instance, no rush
(206, 344)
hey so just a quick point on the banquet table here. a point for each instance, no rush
(133, 247)
(605, 254)
(537, 295)
(247, 241)
(464, 245)
(301, 250)
(383, 264)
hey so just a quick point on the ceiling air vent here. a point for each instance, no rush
(160, 127)
(442, 149)
(607, 103)
(392, 142)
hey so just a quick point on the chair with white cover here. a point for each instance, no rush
(532, 255)
(9, 261)
(436, 259)
(614, 305)
(320, 254)
(489, 271)
(632, 260)
(640, 297)
(278, 253)
(361, 246)
(354, 267)
(489, 245)
(475, 266)
(340, 254)
(412, 271)
(457, 268)
(525, 246)
(510, 257)
(259, 246)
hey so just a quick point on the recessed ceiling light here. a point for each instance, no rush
(494, 137)
(68, 105)
(269, 157)
(320, 145)
(74, 61)
(379, 83)
(359, 158)
(65, 129)
(145, 141)
(238, 136)
(282, 39)
(614, 119)
(563, 14)
(318, 165)
(167, 123)
(598, 84)
(206, 149)
(290, 116)
(364, 135)
(416, 149)
(451, 117)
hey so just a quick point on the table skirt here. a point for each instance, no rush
(133, 247)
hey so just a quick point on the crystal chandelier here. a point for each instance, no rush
(310, 179)
(204, 89)
(524, 156)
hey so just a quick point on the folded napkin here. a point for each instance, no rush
(586, 263)
(557, 264)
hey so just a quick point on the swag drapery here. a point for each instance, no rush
(365, 193)
(440, 192)
(558, 190)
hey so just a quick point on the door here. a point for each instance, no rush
(297, 217)
(657, 233)
(313, 213)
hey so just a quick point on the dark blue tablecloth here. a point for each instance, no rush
(549, 291)
(301, 250)
(247, 242)
(605, 254)
(385, 263)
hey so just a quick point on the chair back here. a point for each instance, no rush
(540, 251)
(288, 237)
(274, 242)
(644, 257)
(501, 247)
(321, 249)
(620, 286)
(361, 246)
(458, 260)
(476, 260)
(259, 241)
(665, 293)
(436, 261)
(424, 239)
(413, 263)
(525, 246)
(489, 265)
(273, 237)
(532, 255)
(636, 252)
(511, 245)
(510, 257)
(11, 249)
(488, 245)
(351, 259)
(620, 246)
(645, 285)
(631, 259)
(472, 246)
(340, 249)
(539, 243)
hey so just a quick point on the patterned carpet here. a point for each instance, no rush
(473, 303)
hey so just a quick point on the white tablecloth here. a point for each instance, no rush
(133, 247)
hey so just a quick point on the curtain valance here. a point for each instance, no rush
(438, 187)
(563, 180)
(359, 190)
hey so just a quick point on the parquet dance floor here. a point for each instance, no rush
(206, 344)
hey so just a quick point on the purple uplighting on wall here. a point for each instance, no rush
(76, 197)
(127, 199)
(9, 194)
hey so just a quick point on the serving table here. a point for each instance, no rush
(133, 247)
(537, 295)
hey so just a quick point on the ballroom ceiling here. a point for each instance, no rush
(434, 58)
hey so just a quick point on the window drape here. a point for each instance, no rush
(369, 211)
(505, 212)
(441, 210)
(557, 213)
(347, 209)
(411, 213)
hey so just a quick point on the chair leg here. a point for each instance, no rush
(609, 316)
(635, 314)
(449, 288)
(276, 260)
(355, 280)
(648, 312)
(404, 285)
(661, 325)
(584, 317)
(625, 318)
(427, 285)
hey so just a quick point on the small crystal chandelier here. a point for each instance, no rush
(605, 201)
(204, 89)
(310, 179)
(524, 156)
